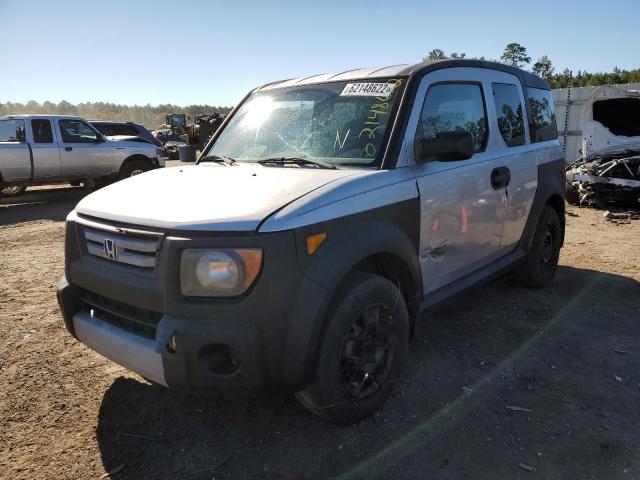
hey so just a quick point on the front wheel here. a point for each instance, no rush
(541, 262)
(13, 191)
(134, 168)
(363, 350)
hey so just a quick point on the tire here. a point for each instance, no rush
(13, 191)
(363, 350)
(541, 262)
(136, 167)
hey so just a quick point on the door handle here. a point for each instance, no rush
(500, 177)
(68, 149)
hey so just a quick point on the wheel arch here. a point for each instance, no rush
(383, 241)
(396, 269)
(133, 158)
(556, 202)
(550, 192)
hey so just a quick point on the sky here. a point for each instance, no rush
(213, 52)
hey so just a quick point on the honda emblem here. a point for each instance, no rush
(110, 249)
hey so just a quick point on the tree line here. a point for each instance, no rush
(516, 55)
(150, 116)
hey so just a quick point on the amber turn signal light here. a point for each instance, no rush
(314, 241)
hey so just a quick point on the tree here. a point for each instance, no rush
(543, 67)
(148, 115)
(516, 55)
(435, 54)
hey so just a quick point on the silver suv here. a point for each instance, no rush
(323, 217)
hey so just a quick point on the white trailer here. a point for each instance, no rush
(614, 120)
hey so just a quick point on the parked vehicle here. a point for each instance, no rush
(42, 149)
(113, 128)
(323, 217)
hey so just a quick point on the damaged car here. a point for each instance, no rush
(608, 173)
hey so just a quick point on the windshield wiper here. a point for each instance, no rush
(220, 159)
(296, 161)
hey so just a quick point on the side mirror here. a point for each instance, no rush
(99, 139)
(445, 147)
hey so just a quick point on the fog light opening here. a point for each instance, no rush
(218, 358)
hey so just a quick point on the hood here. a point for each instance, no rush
(209, 196)
(614, 124)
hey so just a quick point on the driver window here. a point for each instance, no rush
(454, 107)
(77, 131)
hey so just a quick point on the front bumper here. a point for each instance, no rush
(264, 340)
(127, 349)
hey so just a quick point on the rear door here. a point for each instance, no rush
(15, 159)
(462, 208)
(513, 144)
(81, 153)
(46, 155)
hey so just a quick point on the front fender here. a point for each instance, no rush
(392, 229)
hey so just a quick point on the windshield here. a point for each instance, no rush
(337, 123)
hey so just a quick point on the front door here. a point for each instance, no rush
(81, 153)
(463, 202)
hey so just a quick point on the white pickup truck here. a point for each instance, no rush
(43, 149)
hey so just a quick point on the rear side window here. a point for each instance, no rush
(509, 112)
(129, 130)
(105, 128)
(42, 131)
(454, 107)
(544, 117)
(76, 131)
(12, 130)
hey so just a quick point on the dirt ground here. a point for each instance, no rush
(504, 383)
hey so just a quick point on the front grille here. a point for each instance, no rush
(132, 319)
(124, 245)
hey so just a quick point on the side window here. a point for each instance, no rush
(129, 130)
(105, 128)
(509, 112)
(544, 117)
(42, 131)
(12, 130)
(76, 131)
(451, 107)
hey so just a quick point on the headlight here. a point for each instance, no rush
(218, 273)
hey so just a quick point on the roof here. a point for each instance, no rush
(39, 115)
(526, 78)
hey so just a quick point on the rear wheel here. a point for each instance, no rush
(540, 265)
(13, 191)
(134, 168)
(363, 350)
